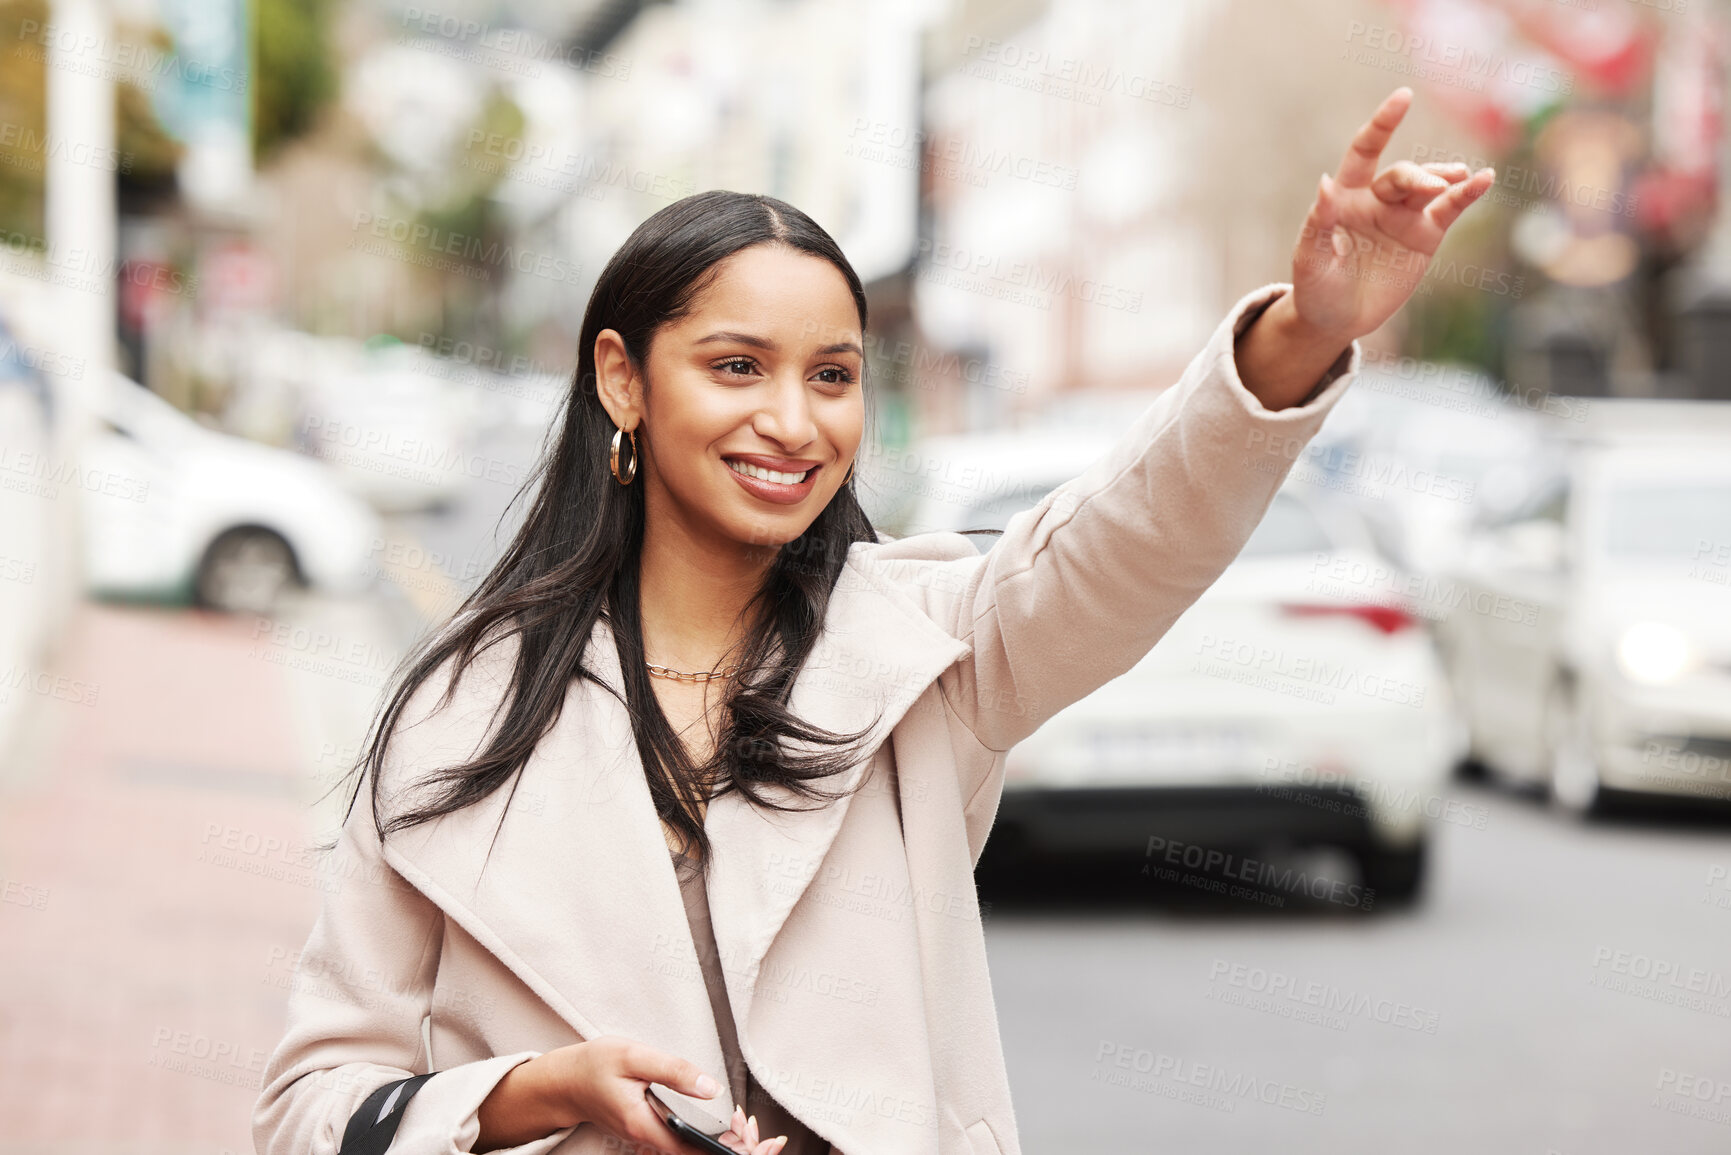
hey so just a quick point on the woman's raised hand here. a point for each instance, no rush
(1370, 235)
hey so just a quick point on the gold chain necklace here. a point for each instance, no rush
(702, 676)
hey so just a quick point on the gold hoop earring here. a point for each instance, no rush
(613, 462)
(849, 476)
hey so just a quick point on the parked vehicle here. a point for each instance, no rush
(1298, 703)
(174, 509)
(1594, 660)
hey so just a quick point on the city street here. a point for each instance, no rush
(1137, 1030)
(1525, 984)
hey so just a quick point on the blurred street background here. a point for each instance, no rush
(1411, 836)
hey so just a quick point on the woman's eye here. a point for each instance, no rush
(835, 375)
(739, 366)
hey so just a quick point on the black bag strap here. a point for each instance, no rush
(374, 1123)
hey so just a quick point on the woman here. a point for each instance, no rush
(697, 622)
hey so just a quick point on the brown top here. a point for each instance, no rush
(772, 1118)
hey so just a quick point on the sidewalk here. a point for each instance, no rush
(155, 881)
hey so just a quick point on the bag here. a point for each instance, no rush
(374, 1123)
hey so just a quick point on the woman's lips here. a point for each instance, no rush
(775, 491)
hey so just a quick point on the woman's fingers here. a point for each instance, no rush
(1451, 171)
(1404, 182)
(653, 1066)
(1317, 238)
(1358, 168)
(1447, 208)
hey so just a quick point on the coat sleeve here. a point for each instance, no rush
(1080, 587)
(363, 986)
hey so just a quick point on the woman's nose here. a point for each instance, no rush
(786, 415)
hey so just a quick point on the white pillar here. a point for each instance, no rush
(80, 197)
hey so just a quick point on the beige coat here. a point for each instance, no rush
(850, 935)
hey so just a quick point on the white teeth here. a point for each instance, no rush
(767, 474)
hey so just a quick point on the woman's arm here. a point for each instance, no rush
(364, 985)
(1081, 587)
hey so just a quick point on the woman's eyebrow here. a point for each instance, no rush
(739, 338)
(765, 343)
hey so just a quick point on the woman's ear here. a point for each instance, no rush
(616, 380)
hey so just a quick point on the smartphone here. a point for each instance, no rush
(691, 1124)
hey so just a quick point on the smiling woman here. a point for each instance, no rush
(694, 631)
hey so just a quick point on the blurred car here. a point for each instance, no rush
(174, 509)
(1431, 448)
(398, 428)
(1299, 703)
(1592, 656)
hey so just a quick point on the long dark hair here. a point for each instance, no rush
(575, 560)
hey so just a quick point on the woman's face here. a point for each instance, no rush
(754, 409)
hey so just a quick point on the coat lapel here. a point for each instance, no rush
(579, 897)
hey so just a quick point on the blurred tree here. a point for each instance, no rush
(23, 122)
(471, 304)
(146, 154)
(294, 74)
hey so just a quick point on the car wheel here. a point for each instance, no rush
(1574, 772)
(245, 570)
(1395, 874)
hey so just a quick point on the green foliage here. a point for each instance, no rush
(148, 154)
(293, 71)
(23, 120)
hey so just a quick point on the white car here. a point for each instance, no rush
(1298, 703)
(398, 426)
(172, 508)
(1428, 451)
(1593, 658)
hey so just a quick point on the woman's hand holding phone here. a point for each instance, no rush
(602, 1081)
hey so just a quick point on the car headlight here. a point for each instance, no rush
(1654, 653)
